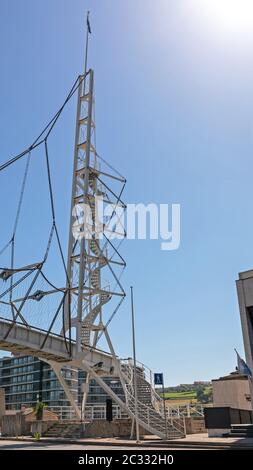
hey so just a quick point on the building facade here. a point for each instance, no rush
(232, 390)
(245, 299)
(27, 380)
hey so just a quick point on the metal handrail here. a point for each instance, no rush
(146, 410)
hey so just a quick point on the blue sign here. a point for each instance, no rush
(158, 379)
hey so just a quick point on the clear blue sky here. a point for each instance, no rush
(174, 112)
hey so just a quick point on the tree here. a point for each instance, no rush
(39, 410)
(201, 395)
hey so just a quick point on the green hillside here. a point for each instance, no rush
(201, 393)
(181, 395)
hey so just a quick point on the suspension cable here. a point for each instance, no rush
(49, 182)
(111, 167)
(53, 209)
(5, 247)
(40, 139)
(21, 196)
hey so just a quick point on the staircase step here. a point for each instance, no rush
(64, 430)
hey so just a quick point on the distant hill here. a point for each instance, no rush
(197, 392)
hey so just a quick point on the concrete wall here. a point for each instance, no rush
(218, 432)
(15, 425)
(40, 426)
(117, 428)
(194, 425)
(232, 392)
(2, 403)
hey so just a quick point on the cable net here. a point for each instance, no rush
(33, 274)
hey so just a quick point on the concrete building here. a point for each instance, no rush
(24, 380)
(97, 396)
(233, 394)
(2, 403)
(232, 390)
(245, 298)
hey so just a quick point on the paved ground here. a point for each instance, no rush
(10, 445)
(193, 441)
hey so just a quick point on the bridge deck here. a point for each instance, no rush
(29, 341)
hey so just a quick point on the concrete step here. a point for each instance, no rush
(243, 427)
(241, 430)
(64, 430)
(233, 431)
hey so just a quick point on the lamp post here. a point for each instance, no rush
(165, 414)
(135, 375)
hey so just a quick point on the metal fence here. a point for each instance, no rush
(189, 410)
(93, 412)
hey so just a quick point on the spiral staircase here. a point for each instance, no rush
(98, 260)
(87, 289)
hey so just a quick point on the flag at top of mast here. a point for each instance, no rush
(87, 41)
(242, 367)
(88, 22)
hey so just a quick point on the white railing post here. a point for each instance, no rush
(151, 385)
(184, 423)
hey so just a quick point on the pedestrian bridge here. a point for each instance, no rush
(18, 338)
(55, 349)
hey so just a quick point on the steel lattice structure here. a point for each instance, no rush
(93, 293)
(92, 256)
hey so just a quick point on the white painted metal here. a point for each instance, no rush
(98, 364)
(57, 369)
(135, 371)
(89, 294)
(29, 340)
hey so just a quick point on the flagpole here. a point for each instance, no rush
(88, 31)
(246, 371)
